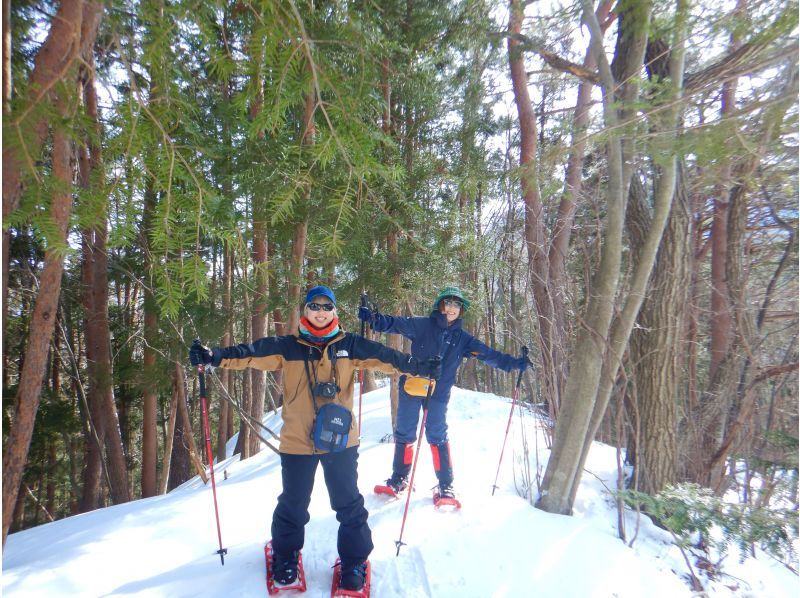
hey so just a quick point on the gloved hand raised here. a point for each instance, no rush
(199, 354)
(522, 363)
(430, 368)
(365, 314)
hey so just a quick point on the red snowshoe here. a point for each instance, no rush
(387, 490)
(273, 587)
(394, 486)
(337, 592)
(444, 497)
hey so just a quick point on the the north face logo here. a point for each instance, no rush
(342, 353)
(338, 421)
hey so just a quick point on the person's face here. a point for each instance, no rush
(317, 312)
(450, 307)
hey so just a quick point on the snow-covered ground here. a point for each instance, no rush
(494, 546)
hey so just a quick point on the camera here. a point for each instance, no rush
(326, 390)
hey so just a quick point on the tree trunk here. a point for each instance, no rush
(572, 428)
(15, 454)
(6, 69)
(279, 322)
(562, 229)
(657, 344)
(258, 321)
(169, 435)
(721, 323)
(91, 174)
(151, 341)
(730, 387)
(53, 62)
(665, 147)
(226, 376)
(184, 416)
(94, 465)
(395, 340)
(301, 228)
(179, 469)
(657, 349)
(535, 237)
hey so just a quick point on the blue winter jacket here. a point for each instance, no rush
(432, 336)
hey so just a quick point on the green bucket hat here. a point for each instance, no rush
(451, 292)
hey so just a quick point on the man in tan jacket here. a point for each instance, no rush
(318, 364)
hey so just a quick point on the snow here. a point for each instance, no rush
(494, 546)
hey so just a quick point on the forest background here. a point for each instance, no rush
(614, 185)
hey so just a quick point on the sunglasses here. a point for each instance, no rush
(453, 303)
(321, 306)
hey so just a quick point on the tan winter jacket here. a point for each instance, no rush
(297, 359)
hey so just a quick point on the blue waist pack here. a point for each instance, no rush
(332, 428)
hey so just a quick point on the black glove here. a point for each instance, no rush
(430, 368)
(199, 354)
(522, 363)
(365, 314)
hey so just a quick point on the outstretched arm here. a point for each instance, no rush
(375, 356)
(496, 359)
(263, 354)
(407, 326)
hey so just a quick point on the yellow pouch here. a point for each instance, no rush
(418, 387)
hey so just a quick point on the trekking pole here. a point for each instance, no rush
(364, 300)
(514, 397)
(399, 543)
(201, 375)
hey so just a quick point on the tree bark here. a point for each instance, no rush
(169, 435)
(182, 414)
(657, 344)
(53, 62)
(573, 426)
(666, 121)
(72, 31)
(102, 383)
(150, 332)
(720, 309)
(657, 350)
(258, 322)
(547, 262)
(15, 455)
(93, 464)
(535, 237)
(179, 468)
(301, 228)
(6, 62)
(562, 230)
(726, 395)
(226, 376)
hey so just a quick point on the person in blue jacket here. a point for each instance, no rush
(440, 334)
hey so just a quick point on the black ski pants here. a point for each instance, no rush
(341, 477)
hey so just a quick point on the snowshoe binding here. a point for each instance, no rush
(284, 572)
(393, 487)
(443, 496)
(352, 581)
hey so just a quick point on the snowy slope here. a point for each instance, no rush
(494, 546)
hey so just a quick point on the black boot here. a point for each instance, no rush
(284, 567)
(353, 577)
(397, 483)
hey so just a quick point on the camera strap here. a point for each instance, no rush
(332, 422)
(311, 382)
(310, 369)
